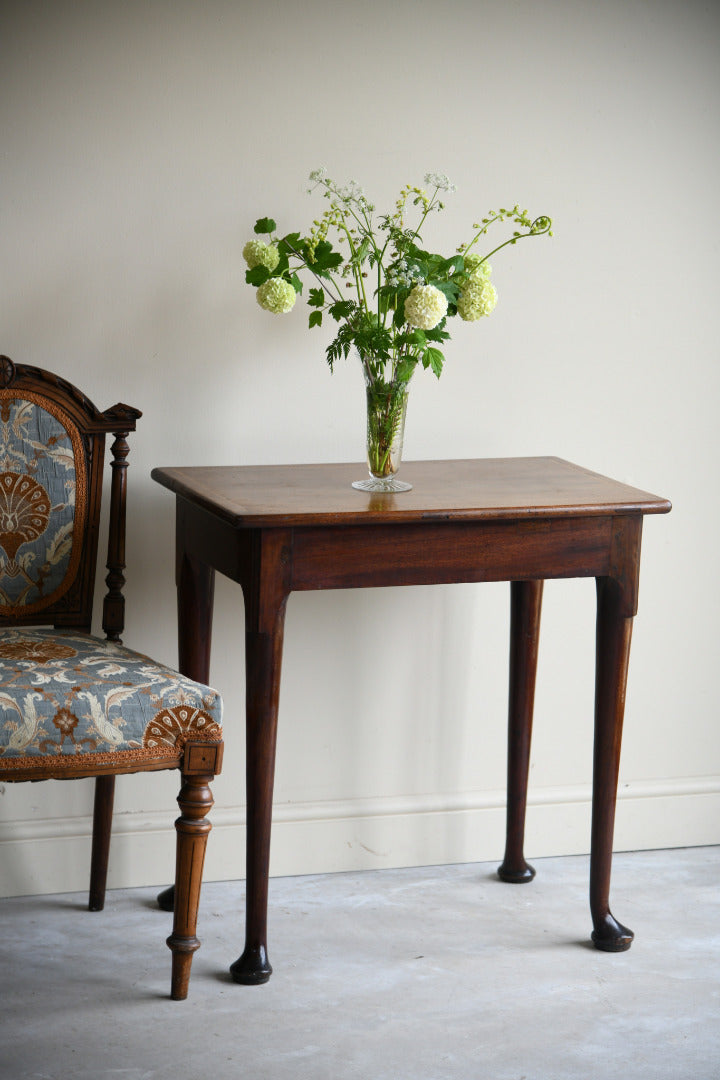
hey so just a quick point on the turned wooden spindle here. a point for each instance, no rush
(120, 420)
(201, 763)
(114, 604)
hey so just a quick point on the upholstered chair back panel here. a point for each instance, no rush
(52, 449)
(43, 503)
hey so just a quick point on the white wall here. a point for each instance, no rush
(139, 143)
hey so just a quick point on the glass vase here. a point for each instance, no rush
(386, 404)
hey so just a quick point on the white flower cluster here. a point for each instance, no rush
(350, 193)
(256, 253)
(476, 266)
(400, 275)
(439, 181)
(276, 295)
(425, 307)
(479, 296)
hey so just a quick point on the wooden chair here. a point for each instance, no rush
(73, 705)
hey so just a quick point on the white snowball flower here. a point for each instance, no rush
(425, 307)
(256, 253)
(478, 298)
(276, 295)
(476, 266)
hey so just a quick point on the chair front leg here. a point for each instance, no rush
(195, 599)
(201, 764)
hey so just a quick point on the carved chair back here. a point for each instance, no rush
(52, 451)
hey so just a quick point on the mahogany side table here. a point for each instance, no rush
(276, 529)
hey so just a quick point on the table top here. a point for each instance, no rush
(261, 496)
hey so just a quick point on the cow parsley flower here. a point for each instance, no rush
(276, 295)
(402, 276)
(478, 298)
(425, 307)
(256, 253)
(439, 181)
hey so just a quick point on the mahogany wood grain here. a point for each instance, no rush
(278, 529)
(266, 495)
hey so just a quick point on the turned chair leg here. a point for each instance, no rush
(200, 765)
(195, 599)
(102, 828)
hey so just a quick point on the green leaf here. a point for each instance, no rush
(455, 264)
(405, 368)
(361, 253)
(328, 262)
(325, 258)
(315, 318)
(257, 276)
(289, 244)
(265, 225)
(341, 309)
(282, 267)
(296, 283)
(438, 333)
(316, 298)
(449, 288)
(433, 358)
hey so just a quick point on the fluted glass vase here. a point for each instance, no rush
(386, 404)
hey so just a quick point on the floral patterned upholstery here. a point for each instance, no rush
(42, 503)
(82, 700)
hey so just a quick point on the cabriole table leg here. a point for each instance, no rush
(525, 608)
(265, 621)
(614, 632)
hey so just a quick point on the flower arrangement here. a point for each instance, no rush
(389, 297)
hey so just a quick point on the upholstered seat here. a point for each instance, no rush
(91, 703)
(71, 704)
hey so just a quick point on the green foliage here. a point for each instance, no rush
(341, 309)
(380, 263)
(265, 225)
(433, 358)
(257, 276)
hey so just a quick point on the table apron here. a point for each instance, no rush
(451, 551)
(425, 553)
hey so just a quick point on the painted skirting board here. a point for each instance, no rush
(53, 855)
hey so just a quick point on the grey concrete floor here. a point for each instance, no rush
(426, 974)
